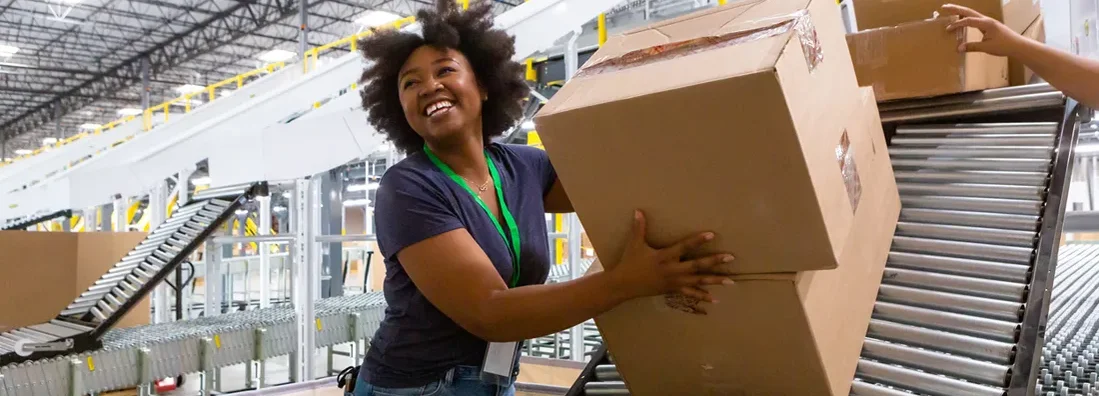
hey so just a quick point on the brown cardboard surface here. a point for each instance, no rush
(791, 334)
(739, 139)
(872, 14)
(1017, 72)
(42, 272)
(37, 276)
(921, 59)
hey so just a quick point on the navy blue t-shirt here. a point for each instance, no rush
(416, 343)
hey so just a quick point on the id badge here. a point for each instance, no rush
(500, 362)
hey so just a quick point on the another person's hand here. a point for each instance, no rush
(646, 271)
(999, 40)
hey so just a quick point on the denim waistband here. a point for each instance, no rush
(463, 372)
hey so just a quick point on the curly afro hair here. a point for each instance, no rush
(470, 32)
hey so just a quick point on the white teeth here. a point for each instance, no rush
(440, 105)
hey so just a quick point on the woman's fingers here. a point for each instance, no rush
(684, 246)
(954, 9)
(706, 265)
(697, 293)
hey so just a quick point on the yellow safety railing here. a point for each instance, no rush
(351, 41)
(147, 116)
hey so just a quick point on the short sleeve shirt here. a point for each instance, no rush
(416, 343)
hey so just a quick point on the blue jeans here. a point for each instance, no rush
(459, 381)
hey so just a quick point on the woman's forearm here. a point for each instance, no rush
(533, 311)
(1076, 76)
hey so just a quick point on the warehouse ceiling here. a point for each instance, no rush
(65, 64)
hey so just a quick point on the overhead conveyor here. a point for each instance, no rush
(81, 325)
(963, 303)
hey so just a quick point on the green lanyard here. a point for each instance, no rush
(512, 242)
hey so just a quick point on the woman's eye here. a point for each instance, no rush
(408, 84)
(446, 70)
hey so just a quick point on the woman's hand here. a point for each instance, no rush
(999, 40)
(645, 271)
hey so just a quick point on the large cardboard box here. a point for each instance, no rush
(1018, 74)
(771, 334)
(920, 59)
(872, 14)
(730, 120)
(42, 272)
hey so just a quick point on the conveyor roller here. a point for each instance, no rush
(110, 297)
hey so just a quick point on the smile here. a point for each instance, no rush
(439, 107)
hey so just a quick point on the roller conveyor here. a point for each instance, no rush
(25, 223)
(132, 357)
(964, 296)
(81, 325)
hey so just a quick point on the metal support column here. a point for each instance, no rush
(145, 86)
(90, 223)
(331, 223)
(576, 333)
(183, 185)
(214, 286)
(264, 252)
(158, 201)
(304, 283)
(118, 213)
(303, 36)
(57, 123)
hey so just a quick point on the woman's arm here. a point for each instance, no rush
(1076, 76)
(453, 272)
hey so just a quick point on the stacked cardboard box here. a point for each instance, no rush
(42, 272)
(746, 120)
(904, 53)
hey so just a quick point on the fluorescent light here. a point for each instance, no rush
(22, 152)
(90, 126)
(201, 181)
(8, 50)
(7, 159)
(528, 125)
(72, 2)
(189, 89)
(286, 194)
(226, 92)
(242, 211)
(48, 141)
(356, 202)
(276, 55)
(129, 111)
(279, 208)
(371, 19)
(362, 187)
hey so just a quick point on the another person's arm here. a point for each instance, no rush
(1076, 76)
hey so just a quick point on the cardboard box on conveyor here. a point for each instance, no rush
(746, 120)
(921, 59)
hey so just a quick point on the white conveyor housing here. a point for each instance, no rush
(273, 131)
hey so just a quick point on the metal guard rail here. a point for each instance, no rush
(1024, 370)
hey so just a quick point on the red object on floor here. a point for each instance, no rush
(164, 385)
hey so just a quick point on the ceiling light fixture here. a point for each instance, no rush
(276, 55)
(371, 19)
(48, 141)
(90, 126)
(201, 181)
(189, 89)
(129, 111)
(22, 152)
(8, 50)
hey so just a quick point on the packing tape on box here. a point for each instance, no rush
(799, 22)
(845, 154)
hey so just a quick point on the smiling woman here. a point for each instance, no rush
(461, 221)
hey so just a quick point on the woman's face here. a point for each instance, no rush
(440, 95)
